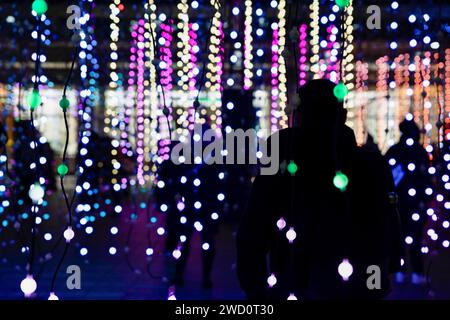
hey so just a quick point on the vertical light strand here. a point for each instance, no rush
(282, 80)
(348, 63)
(183, 46)
(248, 45)
(274, 113)
(362, 77)
(166, 67)
(140, 106)
(314, 42)
(113, 107)
(303, 51)
(151, 126)
(127, 132)
(333, 45)
(426, 102)
(447, 96)
(193, 70)
(89, 68)
(215, 67)
(381, 90)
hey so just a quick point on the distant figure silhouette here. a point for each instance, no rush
(360, 224)
(409, 164)
(370, 144)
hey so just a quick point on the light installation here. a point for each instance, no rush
(414, 87)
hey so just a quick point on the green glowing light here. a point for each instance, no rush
(34, 99)
(340, 91)
(340, 181)
(39, 6)
(342, 3)
(292, 168)
(62, 170)
(64, 103)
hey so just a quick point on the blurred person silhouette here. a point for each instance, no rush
(370, 144)
(409, 165)
(199, 204)
(360, 224)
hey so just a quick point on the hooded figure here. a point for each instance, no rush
(323, 237)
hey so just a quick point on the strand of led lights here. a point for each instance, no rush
(282, 80)
(151, 146)
(314, 42)
(36, 191)
(248, 45)
(215, 67)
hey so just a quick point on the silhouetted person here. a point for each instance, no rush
(370, 144)
(360, 224)
(409, 164)
(201, 190)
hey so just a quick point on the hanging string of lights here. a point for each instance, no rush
(248, 45)
(314, 42)
(282, 80)
(36, 192)
(151, 145)
(114, 111)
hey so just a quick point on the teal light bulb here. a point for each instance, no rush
(39, 6)
(340, 181)
(340, 91)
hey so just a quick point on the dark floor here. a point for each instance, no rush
(130, 275)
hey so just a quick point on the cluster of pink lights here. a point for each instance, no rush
(166, 56)
(303, 52)
(191, 74)
(274, 82)
(138, 39)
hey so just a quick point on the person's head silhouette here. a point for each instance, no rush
(409, 129)
(319, 108)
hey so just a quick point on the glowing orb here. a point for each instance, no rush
(340, 181)
(36, 192)
(345, 269)
(28, 285)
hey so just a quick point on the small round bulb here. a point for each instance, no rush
(39, 6)
(340, 91)
(292, 168)
(28, 285)
(340, 181)
(53, 297)
(34, 99)
(36, 192)
(345, 269)
(62, 170)
(68, 234)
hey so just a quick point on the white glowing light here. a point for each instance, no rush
(345, 269)
(28, 285)
(281, 223)
(36, 192)
(272, 280)
(176, 254)
(292, 297)
(291, 235)
(68, 234)
(53, 297)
